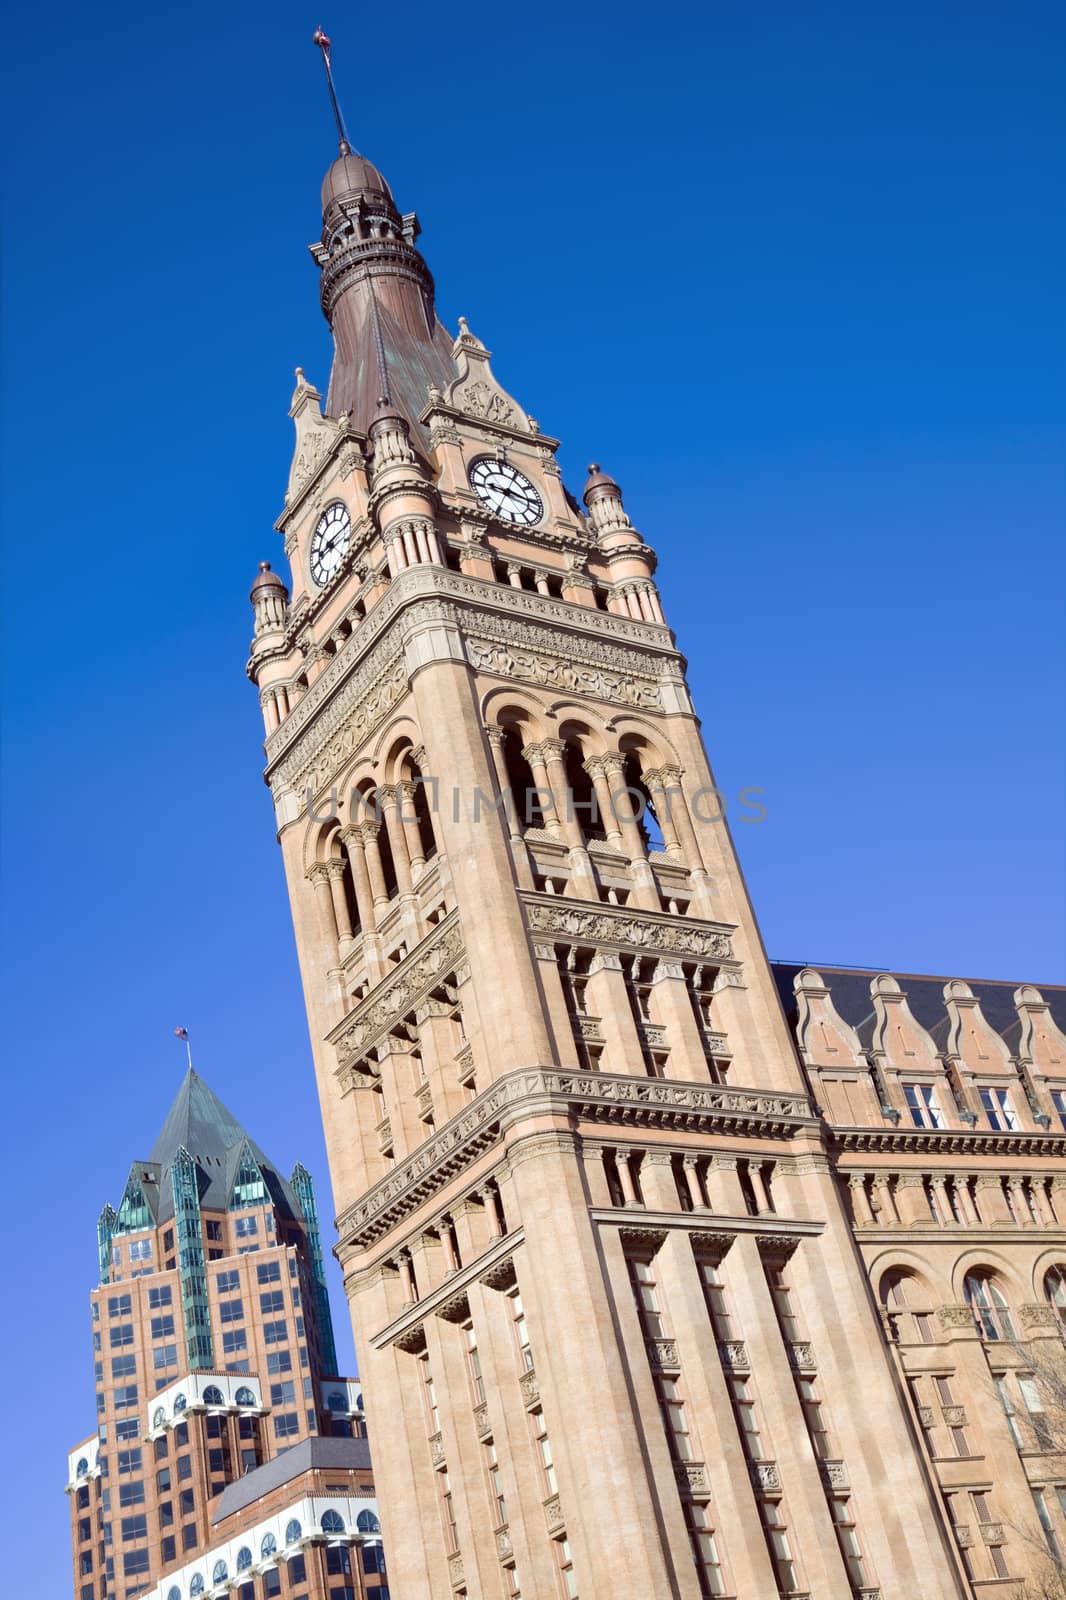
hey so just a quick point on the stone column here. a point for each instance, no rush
(664, 813)
(860, 1204)
(416, 854)
(534, 755)
(519, 853)
(885, 1212)
(583, 879)
(352, 840)
(597, 771)
(938, 1184)
(335, 871)
(758, 1187)
(319, 876)
(370, 831)
(963, 1199)
(391, 805)
(645, 889)
(399, 1081)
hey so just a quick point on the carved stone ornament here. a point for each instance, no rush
(662, 1355)
(711, 1246)
(456, 1571)
(500, 1276)
(642, 1241)
(1038, 1315)
(457, 1309)
(955, 1416)
(553, 1514)
(530, 1389)
(413, 1341)
(955, 1316)
(691, 1477)
(375, 1018)
(482, 1424)
(343, 727)
(556, 671)
(734, 1354)
(504, 1547)
(645, 931)
(926, 1416)
(476, 391)
(436, 1449)
(764, 1475)
(834, 1474)
(801, 1356)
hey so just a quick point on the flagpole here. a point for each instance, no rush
(183, 1033)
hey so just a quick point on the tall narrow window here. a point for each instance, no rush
(544, 1449)
(473, 1366)
(848, 1540)
(704, 1550)
(779, 1547)
(492, 1472)
(989, 1306)
(447, 1513)
(429, 1396)
(521, 1332)
(647, 1298)
(717, 1305)
(744, 1405)
(566, 1568)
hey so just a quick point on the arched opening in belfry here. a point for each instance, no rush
(525, 797)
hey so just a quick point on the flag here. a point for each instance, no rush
(323, 41)
(181, 1033)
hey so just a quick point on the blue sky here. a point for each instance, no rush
(793, 274)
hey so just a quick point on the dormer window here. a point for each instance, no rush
(999, 1111)
(923, 1105)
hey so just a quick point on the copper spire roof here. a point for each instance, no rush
(377, 296)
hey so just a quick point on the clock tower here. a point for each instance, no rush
(613, 1331)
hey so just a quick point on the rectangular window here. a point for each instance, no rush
(297, 1571)
(814, 1417)
(131, 1494)
(140, 1250)
(124, 1367)
(159, 1297)
(286, 1424)
(1040, 1506)
(166, 1507)
(647, 1298)
(186, 1503)
(127, 1428)
(492, 1470)
(268, 1272)
(923, 1105)
(447, 1513)
(246, 1227)
(214, 1230)
(282, 1394)
(134, 1561)
(477, 1382)
(234, 1339)
(429, 1396)
(999, 1110)
(521, 1333)
(566, 1568)
(163, 1327)
(120, 1335)
(849, 1542)
(275, 1332)
(231, 1311)
(279, 1361)
(1058, 1100)
(744, 1405)
(168, 1550)
(228, 1282)
(120, 1305)
(272, 1302)
(1009, 1412)
(778, 1545)
(544, 1449)
(189, 1539)
(125, 1397)
(134, 1528)
(184, 1468)
(166, 1356)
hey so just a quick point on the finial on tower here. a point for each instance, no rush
(325, 44)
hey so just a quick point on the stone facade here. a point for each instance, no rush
(614, 1242)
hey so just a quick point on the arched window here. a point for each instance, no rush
(524, 797)
(268, 1545)
(582, 793)
(293, 1531)
(220, 1573)
(366, 1522)
(173, 1593)
(332, 1522)
(244, 1558)
(82, 1469)
(180, 1402)
(197, 1584)
(989, 1306)
(423, 814)
(336, 1400)
(903, 1292)
(1055, 1290)
(245, 1396)
(159, 1417)
(213, 1395)
(643, 806)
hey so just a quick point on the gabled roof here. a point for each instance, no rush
(850, 989)
(199, 1123)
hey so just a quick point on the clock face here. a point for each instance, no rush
(330, 542)
(506, 492)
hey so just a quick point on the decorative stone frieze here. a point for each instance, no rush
(504, 1547)
(734, 1354)
(955, 1317)
(501, 1276)
(1040, 1315)
(834, 1474)
(642, 1241)
(662, 1355)
(482, 1423)
(801, 1356)
(455, 1309)
(765, 1476)
(926, 1416)
(992, 1533)
(400, 993)
(601, 1097)
(955, 1416)
(456, 1571)
(691, 1477)
(530, 1388)
(436, 1449)
(624, 929)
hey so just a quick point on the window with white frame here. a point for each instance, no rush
(999, 1110)
(923, 1105)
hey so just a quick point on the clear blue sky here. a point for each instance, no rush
(792, 273)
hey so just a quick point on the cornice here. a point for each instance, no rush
(956, 1233)
(404, 988)
(457, 1283)
(946, 1141)
(772, 1230)
(537, 1092)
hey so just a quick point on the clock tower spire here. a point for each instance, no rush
(560, 1102)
